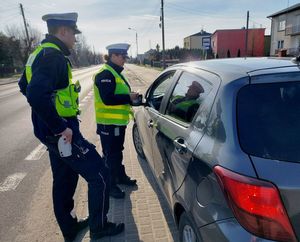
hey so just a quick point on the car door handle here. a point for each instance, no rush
(150, 123)
(180, 147)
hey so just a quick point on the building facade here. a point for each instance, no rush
(232, 43)
(199, 40)
(285, 31)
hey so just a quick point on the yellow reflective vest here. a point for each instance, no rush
(112, 114)
(66, 99)
(185, 104)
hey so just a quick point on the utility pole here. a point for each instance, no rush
(136, 41)
(163, 34)
(95, 58)
(137, 45)
(246, 41)
(25, 25)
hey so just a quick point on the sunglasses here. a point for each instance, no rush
(123, 56)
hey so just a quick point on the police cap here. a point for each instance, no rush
(120, 48)
(62, 19)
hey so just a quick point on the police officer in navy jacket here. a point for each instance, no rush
(47, 85)
(113, 100)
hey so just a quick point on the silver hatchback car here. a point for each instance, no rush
(222, 138)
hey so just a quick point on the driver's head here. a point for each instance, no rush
(195, 89)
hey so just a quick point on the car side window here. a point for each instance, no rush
(159, 90)
(204, 111)
(187, 97)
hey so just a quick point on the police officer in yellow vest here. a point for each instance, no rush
(113, 99)
(48, 87)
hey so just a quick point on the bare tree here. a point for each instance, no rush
(15, 49)
(17, 33)
(82, 54)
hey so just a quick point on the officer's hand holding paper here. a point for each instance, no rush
(136, 98)
(67, 133)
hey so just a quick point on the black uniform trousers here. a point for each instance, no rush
(85, 161)
(112, 141)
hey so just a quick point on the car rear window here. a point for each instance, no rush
(268, 117)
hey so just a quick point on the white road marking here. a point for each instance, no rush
(11, 182)
(10, 93)
(89, 95)
(84, 100)
(37, 153)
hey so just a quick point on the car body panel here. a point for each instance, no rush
(285, 175)
(170, 162)
(228, 230)
(187, 179)
(220, 145)
(279, 74)
(236, 68)
(202, 195)
(146, 115)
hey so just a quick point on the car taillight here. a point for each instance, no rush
(256, 205)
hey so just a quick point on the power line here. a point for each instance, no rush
(263, 25)
(10, 17)
(6, 10)
(203, 13)
(151, 24)
(150, 27)
(189, 10)
(7, 13)
(152, 21)
(156, 8)
(8, 5)
(197, 12)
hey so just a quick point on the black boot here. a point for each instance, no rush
(109, 229)
(80, 225)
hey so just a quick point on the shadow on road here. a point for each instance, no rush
(161, 197)
(120, 211)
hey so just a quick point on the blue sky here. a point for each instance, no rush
(104, 22)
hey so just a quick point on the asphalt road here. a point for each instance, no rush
(24, 161)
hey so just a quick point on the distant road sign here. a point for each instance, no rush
(206, 42)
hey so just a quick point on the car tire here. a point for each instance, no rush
(188, 231)
(137, 141)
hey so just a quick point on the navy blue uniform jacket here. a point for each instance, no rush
(49, 73)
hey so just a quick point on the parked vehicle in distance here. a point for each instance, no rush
(222, 138)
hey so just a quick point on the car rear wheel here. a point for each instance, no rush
(187, 230)
(137, 141)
